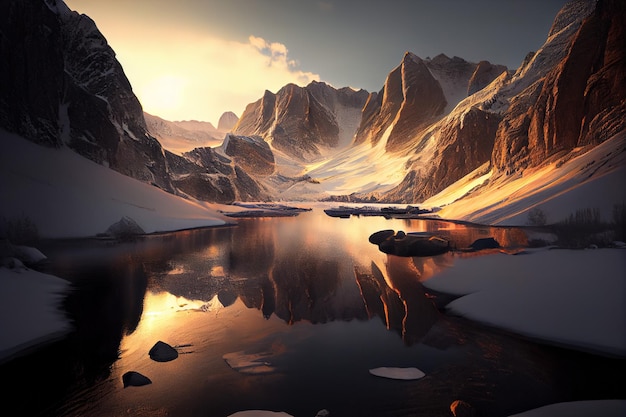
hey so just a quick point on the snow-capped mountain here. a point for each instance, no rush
(441, 130)
(223, 174)
(62, 86)
(304, 123)
(183, 136)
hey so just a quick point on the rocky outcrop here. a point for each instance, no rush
(483, 75)
(252, 154)
(227, 121)
(300, 121)
(410, 100)
(463, 144)
(581, 101)
(206, 174)
(62, 86)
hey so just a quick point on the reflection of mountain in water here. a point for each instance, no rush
(276, 267)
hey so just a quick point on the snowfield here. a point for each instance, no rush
(67, 195)
(570, 298)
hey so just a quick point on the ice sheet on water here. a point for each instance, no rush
(249, 363)
(398, 373)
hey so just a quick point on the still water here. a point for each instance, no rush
(309, 300)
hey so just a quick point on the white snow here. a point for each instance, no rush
(592, 179)
(398, 373)
(67, 195)
(571, 298)
(32, 297)
(604, 408)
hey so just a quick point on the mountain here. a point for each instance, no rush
(304, 122)
(441, 131)
(569, 94)
(62, 86)
(227, 121)
(183, 136)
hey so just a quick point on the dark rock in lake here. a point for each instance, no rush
(412, 244)
(135, 379)
(379, 237)
(162, 352)
(485, 243)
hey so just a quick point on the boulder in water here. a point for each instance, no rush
(135, 379)
(162, 352)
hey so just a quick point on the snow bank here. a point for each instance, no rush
(67, 195)
(604, 408)
(592, 179)
(572, 298)
(29, 310)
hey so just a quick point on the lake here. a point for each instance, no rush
(285, 314)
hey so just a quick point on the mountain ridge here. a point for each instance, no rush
(433, 123)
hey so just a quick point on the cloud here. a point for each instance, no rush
(185, 76)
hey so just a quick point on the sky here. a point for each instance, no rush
(194, 60)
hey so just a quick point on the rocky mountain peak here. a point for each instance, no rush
(302, 121)
(62, 86)
(227, 121)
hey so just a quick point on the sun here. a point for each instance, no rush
(162, 95)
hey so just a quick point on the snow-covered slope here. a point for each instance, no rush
(594, 177)
(67, 195)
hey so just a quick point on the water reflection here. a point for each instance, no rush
(310, 268)
(310, 295)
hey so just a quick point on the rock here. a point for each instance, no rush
(460, 408)
(162, 352)
(379, 237)
(135, 379)
(322, 413)
(485, 243)
(125, 228)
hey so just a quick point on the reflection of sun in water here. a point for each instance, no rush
(162, 93)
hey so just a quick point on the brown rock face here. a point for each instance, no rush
(411, 98)
(484, 74)
(299, 120)
(581, 101)
(62, 85)
(253, 154)
(464, 145)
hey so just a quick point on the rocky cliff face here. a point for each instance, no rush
(410, 100)
(417, 94)
(301, 121)
(62, 86)
(209, 174)
(569, 94)
(580, 101)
